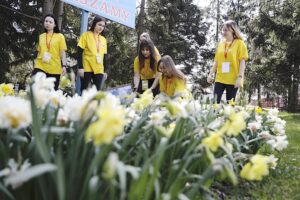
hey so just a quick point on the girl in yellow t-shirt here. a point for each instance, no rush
(146, 75)
(172, 81)
(51, 51)
(229, 62)
(92, 51)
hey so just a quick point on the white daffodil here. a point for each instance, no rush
(254, 126)
(74, 107)
(57, 98)
(216, 124)
(110, 165)
(89, 94)
(42, 82)
(158, 117)
(15, 113)
(273, 112)
(278, 142)
(62, 118)
(176, 109)
(273, 161)
(193, 107)
(16, 175)
(265, 134)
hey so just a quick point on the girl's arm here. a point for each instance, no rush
(156, 81)
(212, 71)
(64, 61)
(79, 61)
(136, 80)
(241, 74)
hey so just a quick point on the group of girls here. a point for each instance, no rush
(228, 68)
(91, 48)
(151, 71)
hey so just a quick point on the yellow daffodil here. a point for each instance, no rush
(110, 123)
(168, 131)
(256, 168)
(213, 142)
(145, 100)
(176, 109)
(64, 82)
(7, 89)
(231, 102)
(234, 125)
(258, 110)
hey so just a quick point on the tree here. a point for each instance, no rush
(278, 23)
(19, 32)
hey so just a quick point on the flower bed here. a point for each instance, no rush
(95, 147)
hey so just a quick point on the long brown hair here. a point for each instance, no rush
(95, 21)
(230, 24)
(147, 44)
(169, 63)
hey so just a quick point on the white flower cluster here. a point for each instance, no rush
(15, 113)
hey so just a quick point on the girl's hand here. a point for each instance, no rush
(238, 82)
(81, 72)
(64, 70)
(209, 79)
(105, 76)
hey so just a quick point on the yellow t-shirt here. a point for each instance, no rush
(56, 44)
(236, 52)
(89, 45)
(146, 72)
(172, 86)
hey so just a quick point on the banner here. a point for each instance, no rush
(121, 11)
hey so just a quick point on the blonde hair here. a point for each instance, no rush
(169, 63)
(230, 24)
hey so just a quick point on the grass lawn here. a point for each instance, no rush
(284, 182)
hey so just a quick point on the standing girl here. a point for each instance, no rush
(145, 68)
(51, 51)
(92, 51)
(172, 81)
(229, 62)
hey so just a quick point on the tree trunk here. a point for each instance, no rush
(217, 20)
(250, 95)
(293, 96)
(259, 95)
(58, 13)
(48, 7)
(140, 23)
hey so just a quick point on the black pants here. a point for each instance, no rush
(56, 76)
(90, 76)
(155, 91)
(230, 91)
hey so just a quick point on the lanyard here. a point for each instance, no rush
(227, 49)
(97, 42)
(48, 44)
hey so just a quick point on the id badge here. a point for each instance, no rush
(144, 85)
(99, 59)
(47, 57)
(225, 67)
